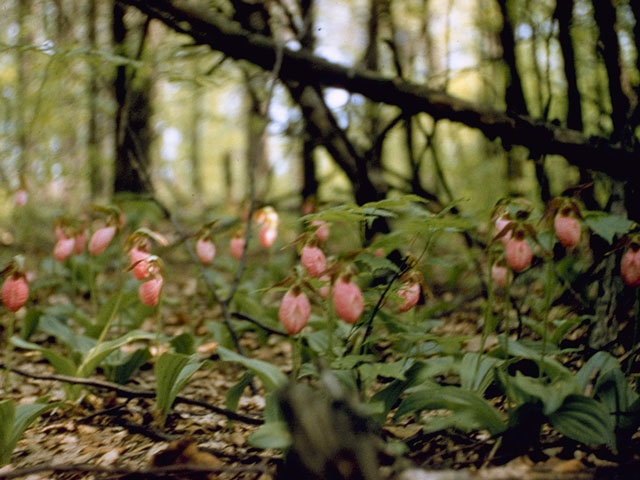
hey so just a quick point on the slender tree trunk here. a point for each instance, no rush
(194, 140)
(23, 7)
(96, 180)
(310, 182)
(133, 135)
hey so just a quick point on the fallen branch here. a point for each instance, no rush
(155, 472)
(132, 392)
(541, 137)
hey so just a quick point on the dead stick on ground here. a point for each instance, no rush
(156, 472)
(131, 392)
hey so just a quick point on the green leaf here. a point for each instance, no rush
(270, 376)
(30, 323)
(371, 371)
(390, 394)
(606, 225)
(552, 396)
(104, 349)
(235, 392)
(585, 420)
(66, 335)
(14, 421)
(126, 365)
(473, 410)
(173, 371)
(271, 435)
(476, 371)
(598, 364)
(184, 343)
(61, 365)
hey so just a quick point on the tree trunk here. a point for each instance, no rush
(96, 180)
(133, 135)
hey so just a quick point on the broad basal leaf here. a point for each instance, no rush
(475, 410)
(270, 376)
(585, 420)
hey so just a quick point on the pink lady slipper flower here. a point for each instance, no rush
(518, 252)
(64, 247)
(323, 229)
(101, 239)
(138, 262)
(294, 311)
(409, 294)
(267, 235)
(630, 266)
(149, 291)
(313, 260)
(347, 299)
(236, 245)
(567, 229)
(501, 223)
(15, 291)
(205, 250)
(500, 275)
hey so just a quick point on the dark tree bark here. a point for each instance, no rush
(310, 182)
(23, 8)
(515, 101)
(133, 135)
(96, 181)
(604, 12)
(514, 94)
(564, 13)
(194, 141)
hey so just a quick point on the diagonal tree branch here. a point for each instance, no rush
(541, 137)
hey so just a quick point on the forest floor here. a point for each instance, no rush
(113, 434)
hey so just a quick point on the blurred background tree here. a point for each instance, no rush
(98, 98)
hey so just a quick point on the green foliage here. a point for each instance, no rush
(607, 225)
(269, 375)
(173, 371)
(14, 420)
(468, 410)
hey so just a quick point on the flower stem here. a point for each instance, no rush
(112, 315)
(8, 358)
(634, 348)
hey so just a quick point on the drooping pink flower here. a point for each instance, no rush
(567, 229)
(81, 239)
(205, 249)
(501, 223)
(409, 293)
(149, 291)
(313, 260)
(499, 275)
(347, 299)
(137, 259)
(63, 248)
(518, 253)
(630, 266)
(101, 239)
(324, 289)
(15, 292)
(237, 247)
(322, 231)
(294, 311)
(267, 235)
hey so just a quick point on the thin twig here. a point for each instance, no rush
(132, 392)
(242, 316)
(378, 306)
